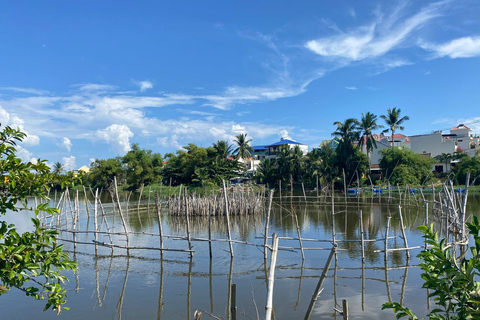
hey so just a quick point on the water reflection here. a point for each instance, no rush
(165, 287)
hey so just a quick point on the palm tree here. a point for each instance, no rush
(445, 158)
(243, 149)
(367, 125)
(347, 134)
(223, 149)
(57, 168)
(393, 121)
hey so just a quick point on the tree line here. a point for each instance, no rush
(345, 161)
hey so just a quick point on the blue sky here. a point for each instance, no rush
(87, 79)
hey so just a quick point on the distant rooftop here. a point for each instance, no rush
(284, 141)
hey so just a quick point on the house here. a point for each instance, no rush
(460, 139)
(262, 152)
(275, 147)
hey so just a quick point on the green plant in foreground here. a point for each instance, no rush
(451, 280)
(31, 261)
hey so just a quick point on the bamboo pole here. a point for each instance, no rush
(298, 232)
(188, 222)
(304, 195)
(267, 222)
(386, 237)
(464, 207)
(319, 289)
(404, 235)
(121, 214)
(86, 201)
(362, 235)
(228, 219)
(95, 220)
(160, 231)
(345, 309)
(271, 278)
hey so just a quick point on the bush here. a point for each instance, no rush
(451, 280)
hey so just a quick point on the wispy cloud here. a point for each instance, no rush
(351, 88)
(25, 90)
(466, 47)
(66, 143)
(386, 33)
(95, 87)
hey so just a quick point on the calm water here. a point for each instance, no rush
(145, 287)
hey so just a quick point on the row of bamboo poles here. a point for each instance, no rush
(448, 206)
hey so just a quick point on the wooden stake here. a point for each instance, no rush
(188, 222)
(159, 212)
(121, 214)
(386, 238)
(345, 309)
(319, 289)
(267, 222)
(228, 219)
(271, 278)
(404, 236)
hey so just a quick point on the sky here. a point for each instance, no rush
(86, 79)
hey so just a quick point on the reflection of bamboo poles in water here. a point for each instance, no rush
(160, 294)
(189, 289)
(210, 282)
(122, 294)
(300, 284)
(108, 276)
(404, 283)
(362, 236)
(231, 314)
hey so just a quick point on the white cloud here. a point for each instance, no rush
(69, 163)
(351, 88)
(466, 47)
(284, 134)
(67, 144)
(31, 140)
(95, 87)
(24, 154)
(118, 136)
(169, 141)
(144, 85)
(376, 39)
(237, 129)
(92, 160)
(4, 117)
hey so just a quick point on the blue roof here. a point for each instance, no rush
(260, 147)
(284, 141)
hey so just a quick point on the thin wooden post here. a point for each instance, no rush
(345, 309)
(267, 222)
(298, 233)
(228, 219)
(233, 301)
(319, 289)
(187, 221)
(271, 278)
(121, 214)
(386, 237)
(86, 201)
(280, 189)
(464, 206)
(160, 231)
(317, 185)
(362, 235)
(304, 195)
(404, 235)
(95, 222)
(333, 216)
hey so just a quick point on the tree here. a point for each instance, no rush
(267, 171)
(223, 149)
(103, 171)
(367, 125)
(393, 121)
(467, 164)
(405, 167)
(57, 168)
(142, 166)
(31, 262)
(347, 135)
(243, 150)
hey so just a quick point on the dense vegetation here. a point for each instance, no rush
(344, 160)
(31, 261)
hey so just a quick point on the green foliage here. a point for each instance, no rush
(102, 172)
(31, 262)
(402, 166)
(267, 172)
(452, 281)
(243, 150)
(468, 164)
(142, 166)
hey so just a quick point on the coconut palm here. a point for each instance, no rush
(445, 158)
(243, 150)
(367, 125)
(347, 134)
(393, 121)
(57, 168)
(223, 149)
